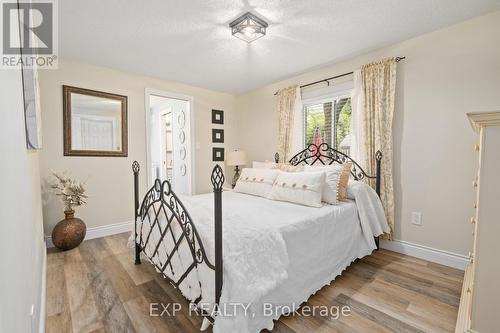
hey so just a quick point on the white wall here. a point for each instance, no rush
(109, 179)
(446, 74)
(22, 248)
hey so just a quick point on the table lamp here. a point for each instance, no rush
(236, 158)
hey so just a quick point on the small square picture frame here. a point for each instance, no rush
(217, 135)
(217, 116)
(217, 154)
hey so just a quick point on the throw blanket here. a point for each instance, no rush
(370, 210)
(254, 252)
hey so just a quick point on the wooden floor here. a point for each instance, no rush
(97, 288)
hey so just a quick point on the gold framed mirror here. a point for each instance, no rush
(95, 123)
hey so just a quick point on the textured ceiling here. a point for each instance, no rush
(189, 40)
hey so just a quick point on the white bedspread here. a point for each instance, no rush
(274, 252)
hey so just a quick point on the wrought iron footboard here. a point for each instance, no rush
(161, 204)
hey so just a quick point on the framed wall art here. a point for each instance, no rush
(217, 135)
(217, 116)
(218, 154)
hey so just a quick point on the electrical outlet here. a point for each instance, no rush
(416, 218)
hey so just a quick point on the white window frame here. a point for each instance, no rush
(321, 96)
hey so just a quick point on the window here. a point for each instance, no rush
(329, 120)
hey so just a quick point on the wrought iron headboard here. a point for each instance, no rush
(326, 155)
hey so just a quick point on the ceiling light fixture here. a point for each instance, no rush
(248, 27)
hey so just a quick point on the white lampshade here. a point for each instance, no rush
(236, 157)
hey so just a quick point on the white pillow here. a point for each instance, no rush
(264, 165)
(257, 182)
(280, 166)
(317, 167)
(290, 168)
(304, 188)
(330, 189)
(332, 177)
(344, 176)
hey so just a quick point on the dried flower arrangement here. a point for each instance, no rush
(72, 193)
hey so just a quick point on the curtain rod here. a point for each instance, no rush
(327, 80)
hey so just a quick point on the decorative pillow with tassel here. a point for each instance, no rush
(337, 179)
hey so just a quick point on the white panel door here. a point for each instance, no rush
(182, 147)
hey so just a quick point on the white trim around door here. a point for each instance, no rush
(190, 100)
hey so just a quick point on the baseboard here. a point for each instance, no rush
(427, 253)
(43, 292)
(102, 231)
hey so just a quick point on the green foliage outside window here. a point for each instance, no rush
(315, 119)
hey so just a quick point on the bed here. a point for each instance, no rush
(243, 261)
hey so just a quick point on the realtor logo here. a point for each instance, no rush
(29, 34)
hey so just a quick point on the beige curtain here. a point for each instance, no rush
(375, 110)
(286, 110)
